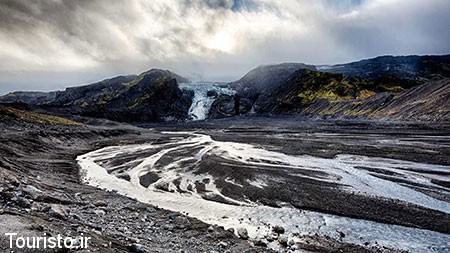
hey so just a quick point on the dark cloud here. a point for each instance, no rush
(48, 44)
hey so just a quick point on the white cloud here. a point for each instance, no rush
(217, 39)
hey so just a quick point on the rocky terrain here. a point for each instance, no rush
(371, 88)
(365, 89)
(151, 96)
(385, 68)
(28, 97)
(40, 192)
(291, 157)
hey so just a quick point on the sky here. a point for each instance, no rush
(51, 44)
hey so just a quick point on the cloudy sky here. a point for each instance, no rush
(51, 44)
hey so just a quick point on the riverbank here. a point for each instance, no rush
(41, 193)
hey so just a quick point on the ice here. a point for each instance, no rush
(201, 103)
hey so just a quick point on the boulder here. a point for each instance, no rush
(212, 93)
(58, 211)
(242, 233)
(278, 229)
(137, 248)
(283, 240)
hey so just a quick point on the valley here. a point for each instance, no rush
(291, 157)
(245, 181)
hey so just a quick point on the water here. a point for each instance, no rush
(185, 152)
(201, 102)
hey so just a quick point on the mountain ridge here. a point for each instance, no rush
(384, 74)
(285, 88)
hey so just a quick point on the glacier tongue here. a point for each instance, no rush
(201, 102)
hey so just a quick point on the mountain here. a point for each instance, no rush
(261, 79)
(266, 77)
(151, 96)
(28, 97)
(11, 115)
(304, 87)
(319, 94)
(91, 93)
(427, 102)
(399, 87)
(295, 88)
(417, 68)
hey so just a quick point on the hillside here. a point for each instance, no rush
(358, 89)
(28, 97)
(151, 96)
(415, 68)
(408, 84)
(335, 95)
(10, 115)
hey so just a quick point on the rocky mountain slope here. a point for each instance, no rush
(360, 89)
(417, 68)
(151, 96)
(266, 77)
(262, 79)
(357, 89)
(28, 97)
(335, 95)
(10, 114)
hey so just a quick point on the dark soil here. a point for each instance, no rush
(40, 192)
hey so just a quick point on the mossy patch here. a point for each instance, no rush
(134, 81)
(395, 88)
(311, 86)
(34, 118)
(140, 100)
(363, 94)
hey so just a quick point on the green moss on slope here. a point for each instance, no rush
(9, 113)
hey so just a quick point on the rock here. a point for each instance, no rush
(172, 216)
(76, 216)
(181, 220)
(99, 203)
(283, 240)
(295, 247)
(99, 212)
(133, 240)
(31, 190)
(231, 230)
(23, 202)
(223, 244)
(76, 242)
(272, 237)
(291, 242)
(122, 229)
(210, 229)
(225, 106)
(212, 93)
(137, 248)
(58, 211)
(278, 229)
(243, 233)
(45, 208)
(341, 234)
(151, 209)
(168, 227)
(260, 243)
(6, 195)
